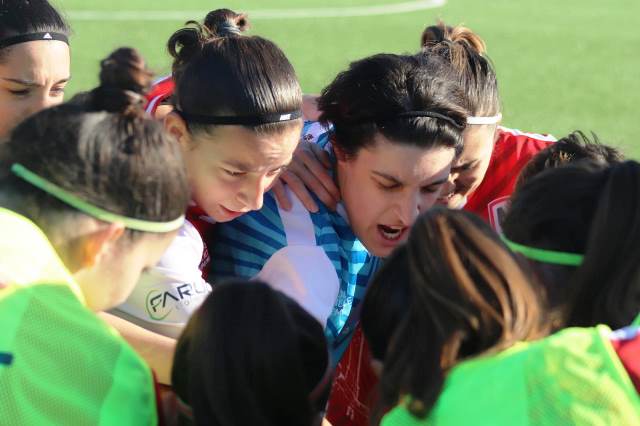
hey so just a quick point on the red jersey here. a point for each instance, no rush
(205, 226)
(353, 394)
(160, 92)
(626, 343)
(512, 151)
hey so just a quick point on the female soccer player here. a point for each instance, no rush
(397, 125)
(463, 332)
(34, 60)
(237, 120)
(88, 200)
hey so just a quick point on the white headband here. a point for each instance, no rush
(485, 120)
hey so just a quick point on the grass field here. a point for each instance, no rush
(562, 65)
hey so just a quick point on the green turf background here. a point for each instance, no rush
(562, 64)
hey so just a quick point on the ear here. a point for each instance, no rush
(341, 155)
(99, 242)
(177, 127)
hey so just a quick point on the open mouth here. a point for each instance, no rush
(391, 233)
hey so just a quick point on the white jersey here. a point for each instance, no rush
(166, 295)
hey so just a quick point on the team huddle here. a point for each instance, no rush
(215, 247)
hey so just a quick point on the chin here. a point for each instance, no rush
(382, 251)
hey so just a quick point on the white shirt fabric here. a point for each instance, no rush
(166, 295)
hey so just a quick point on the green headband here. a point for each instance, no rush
(545, 256)
(88, 208)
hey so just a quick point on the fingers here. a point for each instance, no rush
(321, 155)
(297, 186)
(281, 195)
(320, 181)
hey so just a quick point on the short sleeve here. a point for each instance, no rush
(166, 295)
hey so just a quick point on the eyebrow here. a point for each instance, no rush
(387, 177)
(397, 181)
(467, 164)
(246, 168)
(32, 83)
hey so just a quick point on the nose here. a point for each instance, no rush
(409, 207)
(449, 186)
(41, 102)
(252, 195)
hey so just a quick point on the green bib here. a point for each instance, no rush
(571, 378)
(59, 363)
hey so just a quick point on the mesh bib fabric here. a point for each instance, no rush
(62, 365)
(571, 378)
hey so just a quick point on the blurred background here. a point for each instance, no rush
(561, 65)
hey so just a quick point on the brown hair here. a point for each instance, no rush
(466, 52)
(100, 148)
(220, 71)
(469, 296)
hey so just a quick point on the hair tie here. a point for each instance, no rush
(23, 38)
(248, 120)
(229, 28)
(431, 114)
(545, 256)
(485, 120)
(88, 208)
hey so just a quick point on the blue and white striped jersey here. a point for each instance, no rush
(315, 258)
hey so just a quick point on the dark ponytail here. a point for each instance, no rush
(591, 209)
(466, 52)
(101, 148)
(221, 72)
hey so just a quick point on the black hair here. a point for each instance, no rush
(573, 147)
(372, 95)
(466, 52)
(19, 17)
(251, 356)
(100, 148)
(218, 71)
(591, 209)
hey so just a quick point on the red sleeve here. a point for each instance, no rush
(159, 93)
(512, 151)
(626, 343)
(353, 393)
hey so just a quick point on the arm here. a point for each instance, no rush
(159, 307)
(156, 349)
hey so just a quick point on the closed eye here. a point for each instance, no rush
(431, 188)
(22, 92)
(277, 171)
(234, 174)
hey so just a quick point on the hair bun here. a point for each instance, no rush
(226, 22)
(459, 35)
(125, 69)
(124, 80)
(187, 42)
